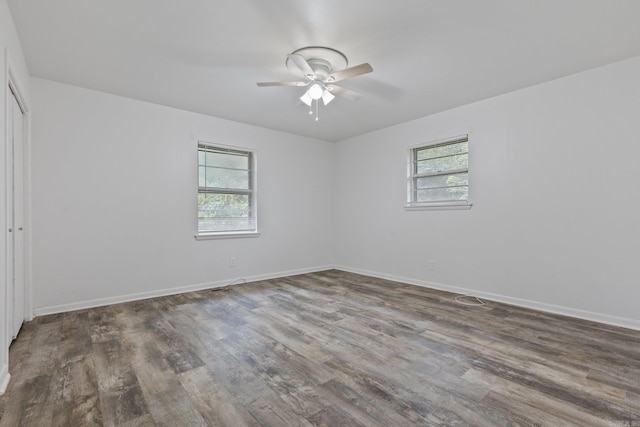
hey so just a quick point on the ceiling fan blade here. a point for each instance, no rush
(265, 84)
(350, 72)
(302, 64)
(345, 93)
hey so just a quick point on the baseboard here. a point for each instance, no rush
(4, 378)
(81, 305)
(535, 305)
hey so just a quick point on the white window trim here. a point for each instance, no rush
(215, 235)
(432, 206)
(438, 206)
(226, 235)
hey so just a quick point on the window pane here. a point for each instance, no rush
(226, 160)
(442, 150)
(224, 212)
(443, 180)
(201, 157)
(442, 194)
(227, 178)
(226, 224)
(213, 205)
(202, 181)
(443, 164)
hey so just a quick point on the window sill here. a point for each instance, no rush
(226, 235)
(438, 206)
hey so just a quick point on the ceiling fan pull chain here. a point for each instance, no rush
(317, 110)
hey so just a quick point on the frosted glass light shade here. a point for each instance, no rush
(315, 91)
(306, 98)
(327, 97)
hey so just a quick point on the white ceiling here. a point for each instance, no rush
(428, 55)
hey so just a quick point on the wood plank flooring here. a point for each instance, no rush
(322, 349)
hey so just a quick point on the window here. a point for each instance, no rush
(226, 192)
(439, 175)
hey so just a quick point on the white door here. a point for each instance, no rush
(15, 199)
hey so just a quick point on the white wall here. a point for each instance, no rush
(553, 186)
(11, 60)
(114, 200)
(554, 183)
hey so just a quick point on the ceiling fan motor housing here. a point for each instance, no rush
(321, 67)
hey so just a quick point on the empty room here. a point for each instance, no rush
(294, 213)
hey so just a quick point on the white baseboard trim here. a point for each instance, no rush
(536, 305)
(81, 305)
(4, 378)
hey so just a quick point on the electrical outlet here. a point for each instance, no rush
(232, 262)
(432, 264)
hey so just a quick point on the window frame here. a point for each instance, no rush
(413, 176)
(251, 192)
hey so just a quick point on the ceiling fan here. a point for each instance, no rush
(320, 67)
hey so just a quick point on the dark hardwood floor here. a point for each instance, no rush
(329, 348)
